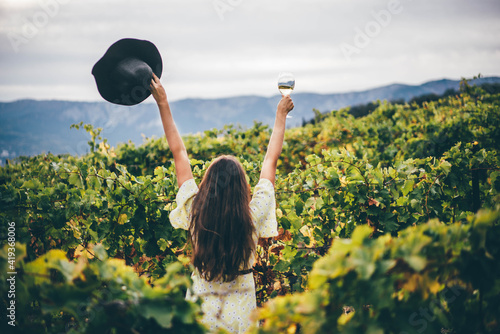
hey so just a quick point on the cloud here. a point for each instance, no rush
(206, 56)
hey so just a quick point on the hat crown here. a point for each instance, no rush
(131, 74)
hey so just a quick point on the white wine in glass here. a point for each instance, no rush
(286, 83)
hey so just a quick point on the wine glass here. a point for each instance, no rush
(286, 83)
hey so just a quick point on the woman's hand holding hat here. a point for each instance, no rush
(157, 90)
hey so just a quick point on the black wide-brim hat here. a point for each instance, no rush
(124, 73)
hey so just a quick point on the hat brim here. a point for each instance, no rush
(126, 48)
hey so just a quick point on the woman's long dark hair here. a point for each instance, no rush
(221, 224)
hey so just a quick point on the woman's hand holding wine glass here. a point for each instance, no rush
(286, 83)
(285, 105)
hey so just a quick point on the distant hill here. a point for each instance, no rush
(31, 127)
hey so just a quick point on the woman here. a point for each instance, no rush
(224, 223)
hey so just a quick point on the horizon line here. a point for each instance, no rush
(147, 101)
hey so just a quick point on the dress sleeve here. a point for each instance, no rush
(263, 209)
(180, 216)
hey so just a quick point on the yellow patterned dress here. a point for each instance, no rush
(228, 305)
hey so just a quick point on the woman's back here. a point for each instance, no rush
(227, 304)
(221, 225)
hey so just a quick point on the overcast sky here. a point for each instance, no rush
(220, 48)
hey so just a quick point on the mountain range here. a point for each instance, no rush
(31, 127)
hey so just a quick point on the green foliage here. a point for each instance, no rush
(431, 277)
(103, 295)
(396, 168)
(71, 203)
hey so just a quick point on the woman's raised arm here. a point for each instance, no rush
(181, 159)
(276, 142)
